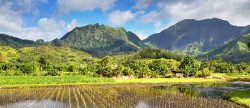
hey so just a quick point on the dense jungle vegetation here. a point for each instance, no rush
(146, 63)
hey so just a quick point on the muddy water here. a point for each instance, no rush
(121, 96)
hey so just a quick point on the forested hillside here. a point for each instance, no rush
(194, 36)
(235, 51)
(6, 40)
(35, 60)
(100, 39)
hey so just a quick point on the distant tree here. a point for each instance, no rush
(51, 71)
(203, 73)
(72, 68)
(104, 67)
(158, 53)
(27, 68)
(128, 71)
(249, 44)
(39, 41)
(43, 63)
(118, 71)
(160, 67)
(141, 68)
(189, 65)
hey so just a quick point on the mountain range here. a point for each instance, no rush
(193, 37)
(200, 38)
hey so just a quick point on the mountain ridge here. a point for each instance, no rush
(195, 36)
(188, 36)
(100, 39)
(236, 51)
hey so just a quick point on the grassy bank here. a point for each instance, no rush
(232, 76)
(49, 80)
(78, 79)
(168, 80)
(239, 96)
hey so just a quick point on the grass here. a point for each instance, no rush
(239, 96)
(50, 80)
(233, 76)
(79, 79)
(168, 80)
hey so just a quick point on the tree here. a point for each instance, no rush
(189, 65)
(72, 68)
(52, 71)
(42, 62)
(104, 67)
(203, 73)
(128, 71)
(141, 68)
(27, 68)
(119, 70)
(248, 44)
(160, 67)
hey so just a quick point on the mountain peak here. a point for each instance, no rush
(210, 21)
(98, 38)
(194, 36)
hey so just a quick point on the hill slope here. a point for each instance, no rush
(98, 38)
(193, 37)
(6, 40)
(53, 55)
(235, 51)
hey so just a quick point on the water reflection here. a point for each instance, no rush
(122, 96)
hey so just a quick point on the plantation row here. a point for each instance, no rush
(106, 96)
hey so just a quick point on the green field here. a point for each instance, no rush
(78, 79)
(50, 80)
(239, 96)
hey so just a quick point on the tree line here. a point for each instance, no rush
(147, 63)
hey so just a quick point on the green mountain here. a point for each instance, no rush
(193, 36)
(136, 40)
(6, 40)
(100, 39)
(235, 51)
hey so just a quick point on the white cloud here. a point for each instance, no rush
(141, 34)
(142, 4)
(72, 25)
(150, 17)
(48, 29)
(10, 21)
(119, 18)
(65, 6)
(235, 11)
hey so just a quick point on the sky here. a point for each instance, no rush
(50, 19)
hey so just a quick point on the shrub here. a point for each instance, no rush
(203, 73)
(52, 71)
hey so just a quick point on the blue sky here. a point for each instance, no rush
(50, 19)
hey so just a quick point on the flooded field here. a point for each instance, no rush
(120, 96)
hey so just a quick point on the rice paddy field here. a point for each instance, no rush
(118, 96)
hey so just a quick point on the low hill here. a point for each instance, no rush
(6, 40)
(235, 51)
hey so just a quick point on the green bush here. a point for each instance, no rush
(169, 75)
(203, 73)
(52, 71)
